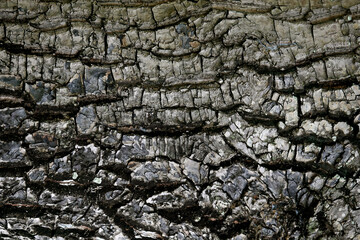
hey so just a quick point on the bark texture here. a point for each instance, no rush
(169, 119)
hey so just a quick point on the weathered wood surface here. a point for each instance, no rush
(166, 119)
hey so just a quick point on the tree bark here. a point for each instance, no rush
(164, 119)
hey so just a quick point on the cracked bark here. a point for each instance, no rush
(179, 119)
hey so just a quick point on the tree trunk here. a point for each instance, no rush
(164, 119)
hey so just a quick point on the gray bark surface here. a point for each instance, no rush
(169, 119)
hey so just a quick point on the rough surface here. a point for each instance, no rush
(209, 119)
